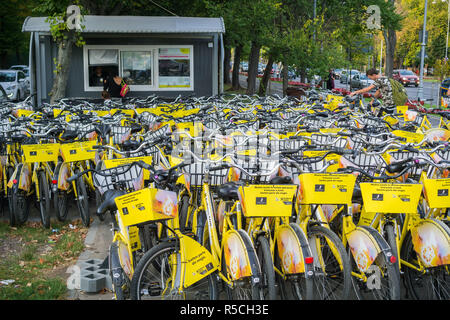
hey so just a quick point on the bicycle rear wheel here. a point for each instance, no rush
(21, 206)
(299, 286)
(433, 284)
(154, 283)
(332, 271)
(383, 282)
(44, 199)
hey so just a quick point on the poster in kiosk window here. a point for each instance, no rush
(174, 68)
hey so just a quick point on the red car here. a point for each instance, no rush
(406, 77)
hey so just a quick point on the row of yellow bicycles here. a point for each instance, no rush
(246, 197)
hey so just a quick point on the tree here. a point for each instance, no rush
(13, 42)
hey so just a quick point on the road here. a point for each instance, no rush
(430, 89)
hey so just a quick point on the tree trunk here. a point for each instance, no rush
(302, 75)
(266, 77)
(285, 76)
(390, 37)
(391, 41)
(227, 67)
(253, 68)
(62, 69)
(236, 67)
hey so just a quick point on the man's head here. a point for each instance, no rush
(98, 70)
(372, 74)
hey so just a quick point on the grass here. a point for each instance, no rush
(228, 89)
(36, 259)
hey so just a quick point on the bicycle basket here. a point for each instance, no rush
(196, 171)
(123, 177)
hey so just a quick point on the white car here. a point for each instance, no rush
(15, 84)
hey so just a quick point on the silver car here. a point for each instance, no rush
(15, 84)
(360, 81)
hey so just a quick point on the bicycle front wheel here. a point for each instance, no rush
(332, 271)
(83, 201)
(268, 284)
(44, 199)
(152, 278)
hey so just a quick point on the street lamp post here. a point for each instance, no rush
(422, 53)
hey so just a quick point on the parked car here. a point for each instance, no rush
(406, 77)
(15, 84)
(20, 67)
(244, 66)
(360, 81)
(345, 75)
(3, 95)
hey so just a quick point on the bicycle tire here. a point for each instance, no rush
(431, 285)
(183, 212)
(9, 195)
(44, 200)
(335, 282)
(389, 233)
(269, 287)
(60, 202)
(205, 289)
(98, 202)
(119, 292)
(83, 201)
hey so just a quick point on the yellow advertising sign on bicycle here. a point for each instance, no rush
(147, 205)
(391, 197)
(326, 188)
(41, 152)
(267, 200)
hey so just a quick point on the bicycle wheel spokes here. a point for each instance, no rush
(332, 274)
(153, 278)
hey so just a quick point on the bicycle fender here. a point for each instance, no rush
(22, 175)
(364, 247)
(198, 261)
(14, 175)
(236, 255)
(382, 243)
(289, 249)
(63, 175)
(431, 241)
(253, 258)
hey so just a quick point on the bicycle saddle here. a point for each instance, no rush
(129, 145)
(229, 191)
(103, 130)
(281, 180)
(108, 203)
(69, 135)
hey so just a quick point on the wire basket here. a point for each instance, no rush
(196, 171)
(287, 144)
(127, 178)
